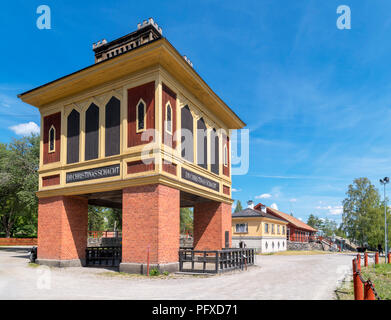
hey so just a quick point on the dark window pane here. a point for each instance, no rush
(112, 132)
(187, 134)
(92, 132)
(214, 150)
(73, 134)
(202, 145)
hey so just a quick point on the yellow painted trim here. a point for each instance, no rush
(157, 52)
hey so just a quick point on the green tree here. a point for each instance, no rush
(113, 217)
(363, 213)
(238, 206)
(326, 227)
(96, 218)
(315, 222)
(19, 163)
(186, 221)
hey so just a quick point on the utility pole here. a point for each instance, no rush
(384, 182)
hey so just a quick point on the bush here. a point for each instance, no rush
(154, 272)
(166, 273)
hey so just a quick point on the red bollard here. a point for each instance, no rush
(389, 257)
(358, 262)
(377, 258)
(368, 292)
(357, 284)
(366, 259)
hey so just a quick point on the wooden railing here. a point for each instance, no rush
(204, 261)
(103, 256)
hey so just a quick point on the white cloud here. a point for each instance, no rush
(236, 190)
(25, 129)
(293, 200)
(300, 219)
(264, 196)
(334, 210)
(274, 206)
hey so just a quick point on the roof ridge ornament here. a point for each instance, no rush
(148, 22)
(188, 61)
(99, 44)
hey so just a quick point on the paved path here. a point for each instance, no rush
(274, 277)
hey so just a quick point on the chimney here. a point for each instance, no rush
(263, 208)
(250, 204)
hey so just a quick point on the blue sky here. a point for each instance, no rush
(315, 98)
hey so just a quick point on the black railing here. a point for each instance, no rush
(103, 256)
(203, 261)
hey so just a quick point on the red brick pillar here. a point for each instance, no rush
(62, 231)
(211, 220)
(150, 217)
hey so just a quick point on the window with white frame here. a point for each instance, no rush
(52, 139)
(241, 228)
(225, 155)
(278, 229)
(266, 228)
(141, 115)
(168, 118)
(273, 228)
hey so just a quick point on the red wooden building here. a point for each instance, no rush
(297, 230)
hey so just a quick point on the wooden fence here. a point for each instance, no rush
(204, 261)
(18, 241)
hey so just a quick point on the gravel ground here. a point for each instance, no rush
(303, 277)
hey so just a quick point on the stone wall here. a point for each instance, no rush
(306, 246)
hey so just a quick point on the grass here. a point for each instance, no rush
(295, 252)
(380, 275)
(33, 265)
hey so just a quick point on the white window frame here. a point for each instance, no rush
(266, 228)
(225, 155)
(168, 105)
(241, 224)
(54, 137)
(145, 116)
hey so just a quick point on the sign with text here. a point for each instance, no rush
(196, 178)
(95, 173)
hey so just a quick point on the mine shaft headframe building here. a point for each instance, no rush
(92, 122)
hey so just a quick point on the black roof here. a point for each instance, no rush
(248, 212)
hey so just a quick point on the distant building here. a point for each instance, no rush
(258, 229)
(297, 230)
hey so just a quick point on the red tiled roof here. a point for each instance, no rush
(296, 222)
